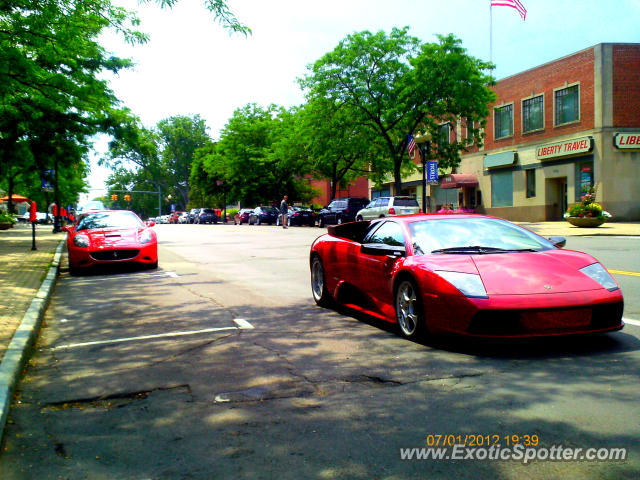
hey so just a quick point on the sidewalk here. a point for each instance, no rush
(22, 271)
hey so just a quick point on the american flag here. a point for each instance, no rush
(517, 4)
(411, 145)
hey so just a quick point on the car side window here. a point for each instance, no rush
(371, 204)
(382, 202)
(389, 233)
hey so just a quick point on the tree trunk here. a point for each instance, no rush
(397, 176)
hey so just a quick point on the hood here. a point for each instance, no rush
(548, 272)
(114, 237)
(523, 273)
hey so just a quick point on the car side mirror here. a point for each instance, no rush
(558, 241)
(381, 249)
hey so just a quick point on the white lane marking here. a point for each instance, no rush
(165, 274)
(242, 323)
(631, 322)
(147, 337)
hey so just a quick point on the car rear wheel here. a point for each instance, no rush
(409, 312)
(318, 285)
(321, 222)
(359, 219)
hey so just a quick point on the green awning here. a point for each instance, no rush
(504, 159)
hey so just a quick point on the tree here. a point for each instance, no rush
(339, 148)
(180, 137)
(50, 67)
(395, 85)
(256, 158)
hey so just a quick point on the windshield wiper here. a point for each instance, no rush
(480, 250)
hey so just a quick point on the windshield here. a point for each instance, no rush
(473, 236)
(122, 219)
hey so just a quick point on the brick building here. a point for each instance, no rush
(556, 130)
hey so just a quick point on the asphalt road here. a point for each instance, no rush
(219, 365)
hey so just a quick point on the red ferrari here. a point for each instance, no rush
(109, 237)
(466, 274)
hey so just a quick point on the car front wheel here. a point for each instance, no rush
(409, 312)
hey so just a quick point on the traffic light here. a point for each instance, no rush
(127, 198)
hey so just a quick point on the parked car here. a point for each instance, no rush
(41, 217)
(193, 214)
(263, 214)
(242, 216)
(299, 216)
(389, 207)
(341, 210)
(207, 215)
(183, 217)
(472, 275)
(110, 237)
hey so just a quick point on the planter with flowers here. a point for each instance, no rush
(587, 213)
(6, 220)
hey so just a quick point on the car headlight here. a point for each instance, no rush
(145, 237)
(81, 241)
(469, 284)
(598, 273)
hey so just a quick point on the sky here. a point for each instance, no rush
(192, 65)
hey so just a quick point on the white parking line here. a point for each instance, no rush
(631, 322)
(159, 335)
(242, 323)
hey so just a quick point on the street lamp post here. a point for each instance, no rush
(424, 140)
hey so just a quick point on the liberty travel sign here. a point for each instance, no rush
(627, 140)
(562, 149)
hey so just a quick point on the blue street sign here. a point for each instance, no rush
(47, 179)
(432, 172)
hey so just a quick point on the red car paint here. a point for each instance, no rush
(537, 293)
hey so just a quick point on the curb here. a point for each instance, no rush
(16, 354)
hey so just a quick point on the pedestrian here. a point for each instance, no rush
(284, 211)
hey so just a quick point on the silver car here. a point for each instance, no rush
(388, 207)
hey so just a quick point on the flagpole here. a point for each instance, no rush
(491, 36)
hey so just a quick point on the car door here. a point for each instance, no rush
(330, 216)
(381, 207)
(377, 269)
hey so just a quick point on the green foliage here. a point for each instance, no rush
(587, 206)
(396, 85)
(257, 159)
(6, 217)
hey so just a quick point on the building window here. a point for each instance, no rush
(502, 189)
(533, 114)
(531, 183)
(443, 134)
(468, 138)
(504, 121)
(567, 105)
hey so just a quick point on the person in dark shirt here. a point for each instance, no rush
(284, 210)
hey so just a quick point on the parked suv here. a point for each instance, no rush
(207, 215)
(389, 207)
(341, 210)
